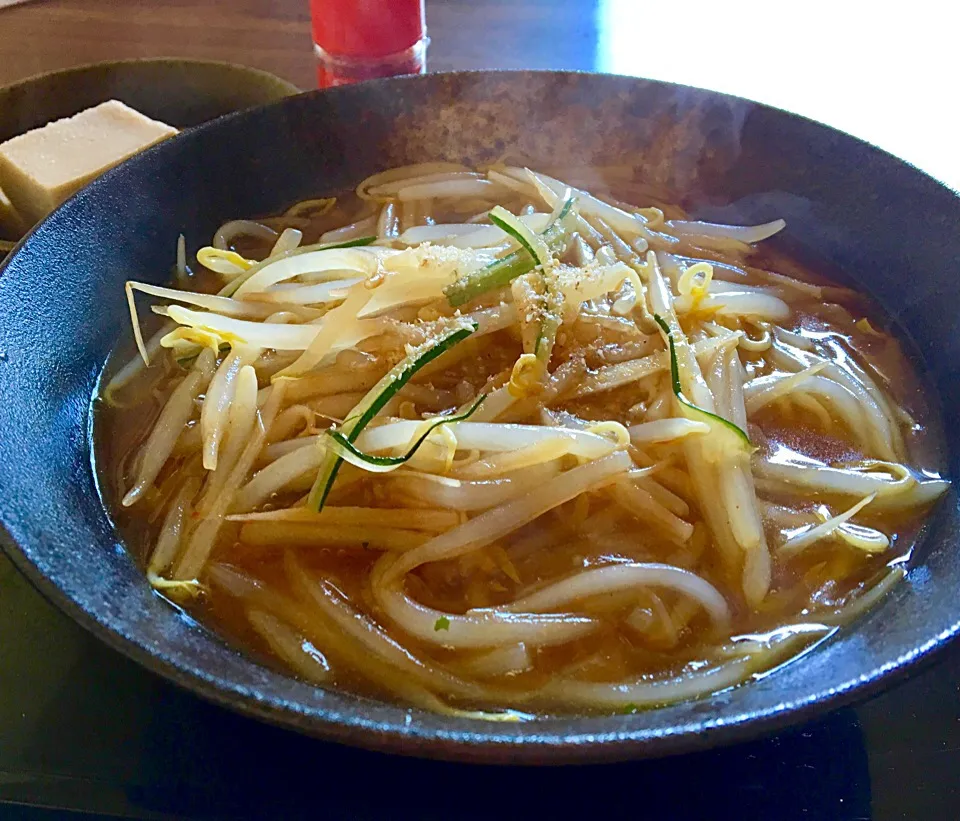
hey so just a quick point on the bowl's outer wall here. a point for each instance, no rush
(883, 222)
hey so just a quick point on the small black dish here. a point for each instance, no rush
(180, 92)
(174, 90)
(885, 224)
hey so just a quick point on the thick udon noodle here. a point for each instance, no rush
(668, 468)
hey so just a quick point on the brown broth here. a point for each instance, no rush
(580, 534)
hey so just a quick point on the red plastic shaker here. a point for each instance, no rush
(362, 39)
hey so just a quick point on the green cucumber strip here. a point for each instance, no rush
(373, 402)
(497, 274)
(539, 251)
(709, 418)
(550, 322)
(502, 271)
(532, 244)
(395, 461)
(347, 243)
(563, 213)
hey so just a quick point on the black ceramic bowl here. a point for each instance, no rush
(847, 204)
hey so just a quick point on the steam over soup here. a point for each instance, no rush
(484, 443)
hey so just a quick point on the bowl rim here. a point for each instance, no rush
(83, 68)
(626, 742)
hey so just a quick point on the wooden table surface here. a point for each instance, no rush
(888, 76)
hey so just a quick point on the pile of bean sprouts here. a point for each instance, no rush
(547, 409)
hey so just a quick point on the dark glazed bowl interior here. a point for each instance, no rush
(882, 222)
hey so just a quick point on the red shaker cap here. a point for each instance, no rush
(366, 28)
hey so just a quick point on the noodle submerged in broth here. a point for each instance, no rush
(487, 444)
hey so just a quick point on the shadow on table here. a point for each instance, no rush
(217, 764)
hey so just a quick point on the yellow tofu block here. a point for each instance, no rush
(40, 169)
(12, 225)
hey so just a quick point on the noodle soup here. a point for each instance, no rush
(489, 444)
